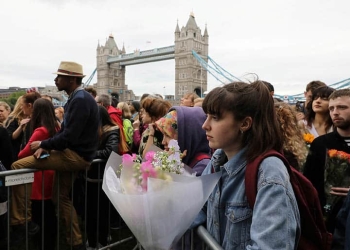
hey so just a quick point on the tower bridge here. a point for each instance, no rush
(152, 55)
(190, 76)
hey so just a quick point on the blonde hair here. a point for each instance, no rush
(198, 102)
(17, 113)
(124, 107)
(291, 132)
(60, 109)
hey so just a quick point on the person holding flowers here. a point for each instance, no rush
(241, 125)
(327, 165)
(184, 124)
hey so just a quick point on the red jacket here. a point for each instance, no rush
(39, 134)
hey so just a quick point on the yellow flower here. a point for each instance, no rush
(308, 138)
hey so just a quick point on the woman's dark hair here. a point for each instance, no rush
(248, 100)
(144, 96)
(44, 116)
(105, 118)
(31, 97)
(136, 105)
(323, 92)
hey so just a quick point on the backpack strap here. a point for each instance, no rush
(251, 174)
(198, 157)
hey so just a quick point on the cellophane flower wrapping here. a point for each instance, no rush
(159, 216)
(337, 174)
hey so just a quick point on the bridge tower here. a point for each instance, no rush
(189, 75)
(111, 77)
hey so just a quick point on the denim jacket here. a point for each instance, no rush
(274, 222)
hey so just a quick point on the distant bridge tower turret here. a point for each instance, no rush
(189, 75)
(111, 77)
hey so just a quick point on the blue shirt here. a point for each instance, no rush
(274, 222)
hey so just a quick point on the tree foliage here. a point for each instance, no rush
(12, 99)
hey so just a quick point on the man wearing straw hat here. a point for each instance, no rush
(70, 150)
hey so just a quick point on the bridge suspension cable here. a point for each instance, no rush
(88, 81)
(215, 69)
(223, 76)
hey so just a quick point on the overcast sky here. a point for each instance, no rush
(286, 42)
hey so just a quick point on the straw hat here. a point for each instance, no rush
(70, 69)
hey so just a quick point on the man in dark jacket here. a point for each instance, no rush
(339, 108)
(71, 149)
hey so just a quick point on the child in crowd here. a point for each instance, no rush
(241, 124)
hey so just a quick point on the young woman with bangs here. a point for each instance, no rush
(317, 120)
(241, 125)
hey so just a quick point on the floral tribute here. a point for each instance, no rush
(156, 196)
(337, 174)
(308, 138)
(155, 165)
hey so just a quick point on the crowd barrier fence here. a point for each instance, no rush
(115, 241)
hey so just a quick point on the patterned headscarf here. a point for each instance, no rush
(168, 124)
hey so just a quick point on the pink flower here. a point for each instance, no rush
(128, 160)
(149, 156)
(147, 170)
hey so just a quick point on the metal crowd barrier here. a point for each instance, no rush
(26, 176)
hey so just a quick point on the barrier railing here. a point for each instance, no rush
(93, 194)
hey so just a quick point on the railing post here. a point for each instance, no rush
(208, 239)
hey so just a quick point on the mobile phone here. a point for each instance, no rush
(43, 156)
(300, 106)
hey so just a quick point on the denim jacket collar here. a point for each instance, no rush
(233, 166)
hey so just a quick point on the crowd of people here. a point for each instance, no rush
(223, 132)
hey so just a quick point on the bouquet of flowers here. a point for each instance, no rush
(337, 174)
(156, 197)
